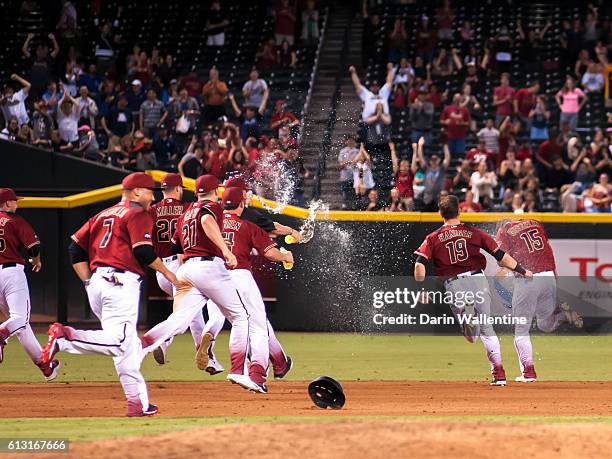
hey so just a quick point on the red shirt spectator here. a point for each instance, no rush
(548, 150)
(192, 84)
(458, 121)
(403, 182)
(282, 118)
(525, 99)
(503, 97)
(479, 154)
(524, 152)
(468, 204)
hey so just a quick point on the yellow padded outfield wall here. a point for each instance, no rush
(113, 192)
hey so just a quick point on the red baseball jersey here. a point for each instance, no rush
(527, 242)
(165, 217)
(242, 236)
(15, 233)
(111, 236)
(191, 235)
(403, 182)
(455, 249)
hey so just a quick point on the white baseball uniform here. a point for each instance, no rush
(15, 234)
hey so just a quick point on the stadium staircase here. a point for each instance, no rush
(334, 110)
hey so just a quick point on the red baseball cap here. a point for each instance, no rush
(206, 184)
(232, 196)
(7, 194)
(138, 180)
(236, 182)
(171, 180)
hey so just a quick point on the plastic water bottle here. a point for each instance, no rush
(286, 265)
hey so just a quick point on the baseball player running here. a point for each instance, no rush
(165, 216)
(205, 253)
(281, 362)
(455, 251)
(15, 234)
(242, 236)
(108, 254)
(527, 242)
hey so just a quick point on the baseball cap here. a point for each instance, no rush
(7, 194)
(137, 82)
(236, 182)
(206, 183)
(173, 81)
(138, 180)
(171, 180)
(85, 127)
(232, 196)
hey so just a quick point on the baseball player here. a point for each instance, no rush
(15, 234)
(242, 236)
(108, 254)
(281, 362)
(165, 216)
(199, 234)
(527, 242)
(454, 250)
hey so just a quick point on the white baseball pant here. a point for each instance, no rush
(113, 298)
(197, 324)
(209, 279)
(250, 294)
(15, 304)
(537, 296)
(477, 283)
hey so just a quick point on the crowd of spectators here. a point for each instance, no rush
(138, 110)
(500, 154)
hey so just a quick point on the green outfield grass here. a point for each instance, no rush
(352, 357)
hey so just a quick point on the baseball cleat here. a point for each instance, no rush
(214, 367)
(50, 371)
(499, 376)
(159, 354)
(571, 316)
(152, 410)
(261, 388)
(2, 344)
(202, 356)
(288, 367)
(529, 375)
(246, 382)
(56, 331)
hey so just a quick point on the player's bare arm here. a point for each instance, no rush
(419, 271)
(275, 254)
(282, 230)
(508, 262)
(214, 234)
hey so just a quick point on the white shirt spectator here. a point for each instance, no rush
(362, 174)
(403, 74)
(490, 137)
(68, 124)
(257, 89)
(482, 185)
(88, 109)
(592, 82)
(15, 106)
(347, 154)
(370, 100)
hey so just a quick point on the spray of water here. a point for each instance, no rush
(274, 180)
(308, 227)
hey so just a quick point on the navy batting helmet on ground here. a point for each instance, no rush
(326, 392)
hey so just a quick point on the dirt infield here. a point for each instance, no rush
(365, 398)
(363, 439)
